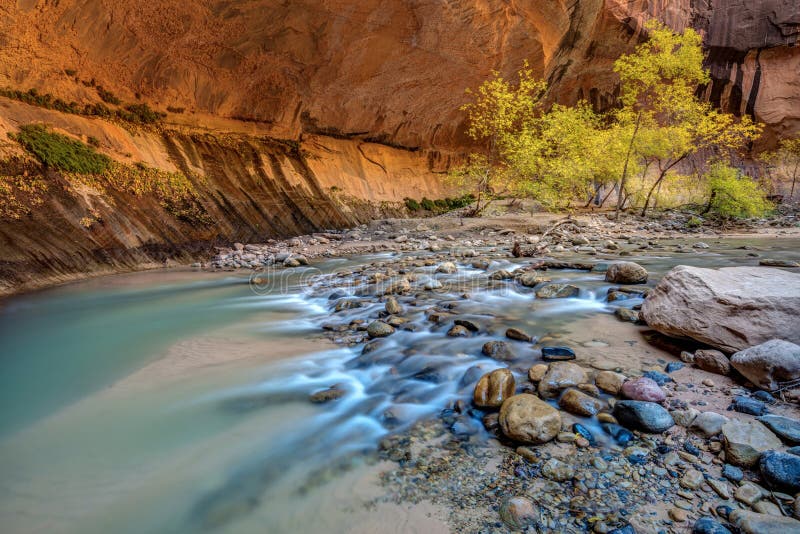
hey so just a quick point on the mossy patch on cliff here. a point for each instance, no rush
(60, 152)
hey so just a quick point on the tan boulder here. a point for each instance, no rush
(528, 419)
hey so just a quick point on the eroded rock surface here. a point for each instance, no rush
(732, 308)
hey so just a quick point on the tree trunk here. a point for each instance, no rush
(625, 167)
(652, 190)
(794, 181)
(606, 197)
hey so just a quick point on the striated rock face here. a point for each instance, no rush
(386, 70)
(250, 188)
(731, 308)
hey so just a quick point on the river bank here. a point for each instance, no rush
(223, 399)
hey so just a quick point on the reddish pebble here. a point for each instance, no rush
(643, 389)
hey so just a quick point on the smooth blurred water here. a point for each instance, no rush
(178, 401)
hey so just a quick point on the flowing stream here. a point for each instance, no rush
(177, 401)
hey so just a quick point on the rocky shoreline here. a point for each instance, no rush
(566, 444)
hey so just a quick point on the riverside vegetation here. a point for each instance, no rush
(661, 145)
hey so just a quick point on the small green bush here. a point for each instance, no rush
(140, 113)
(108, 96)
(412, 204)
(59, 151)
(427, 204)
(735, 195)
(694, 222)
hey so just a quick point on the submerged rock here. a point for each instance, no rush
(493, 388)
(644, 416)
(528, 419)
(626, 272)
(557, 291)
(732, 308)
(557, 470)
(517, 335)
(498, 350)
(458, 331)
(379, 329)
(770, 364)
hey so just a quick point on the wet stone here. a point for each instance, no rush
(579, 403)
(469, 325)
(493, 388)
(557, 354)
(517, 335)
(644, 416)
(498, 350)
(327, 395)
(379, 329)
(557, 291)
(458, 331)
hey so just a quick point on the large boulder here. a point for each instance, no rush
(769, 364)
(528, 419)
(731, 308)
(626, 272)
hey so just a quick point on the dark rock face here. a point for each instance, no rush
(744, 40)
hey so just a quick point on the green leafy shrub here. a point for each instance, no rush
(140, 113)
(108, 96)
(59, 151)
(734, 195)
(694, 222)
(412, 204)
(427, 204)
(135, 113)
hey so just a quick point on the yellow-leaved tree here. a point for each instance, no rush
(784, 162)
(497, 111)
(666, 120)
